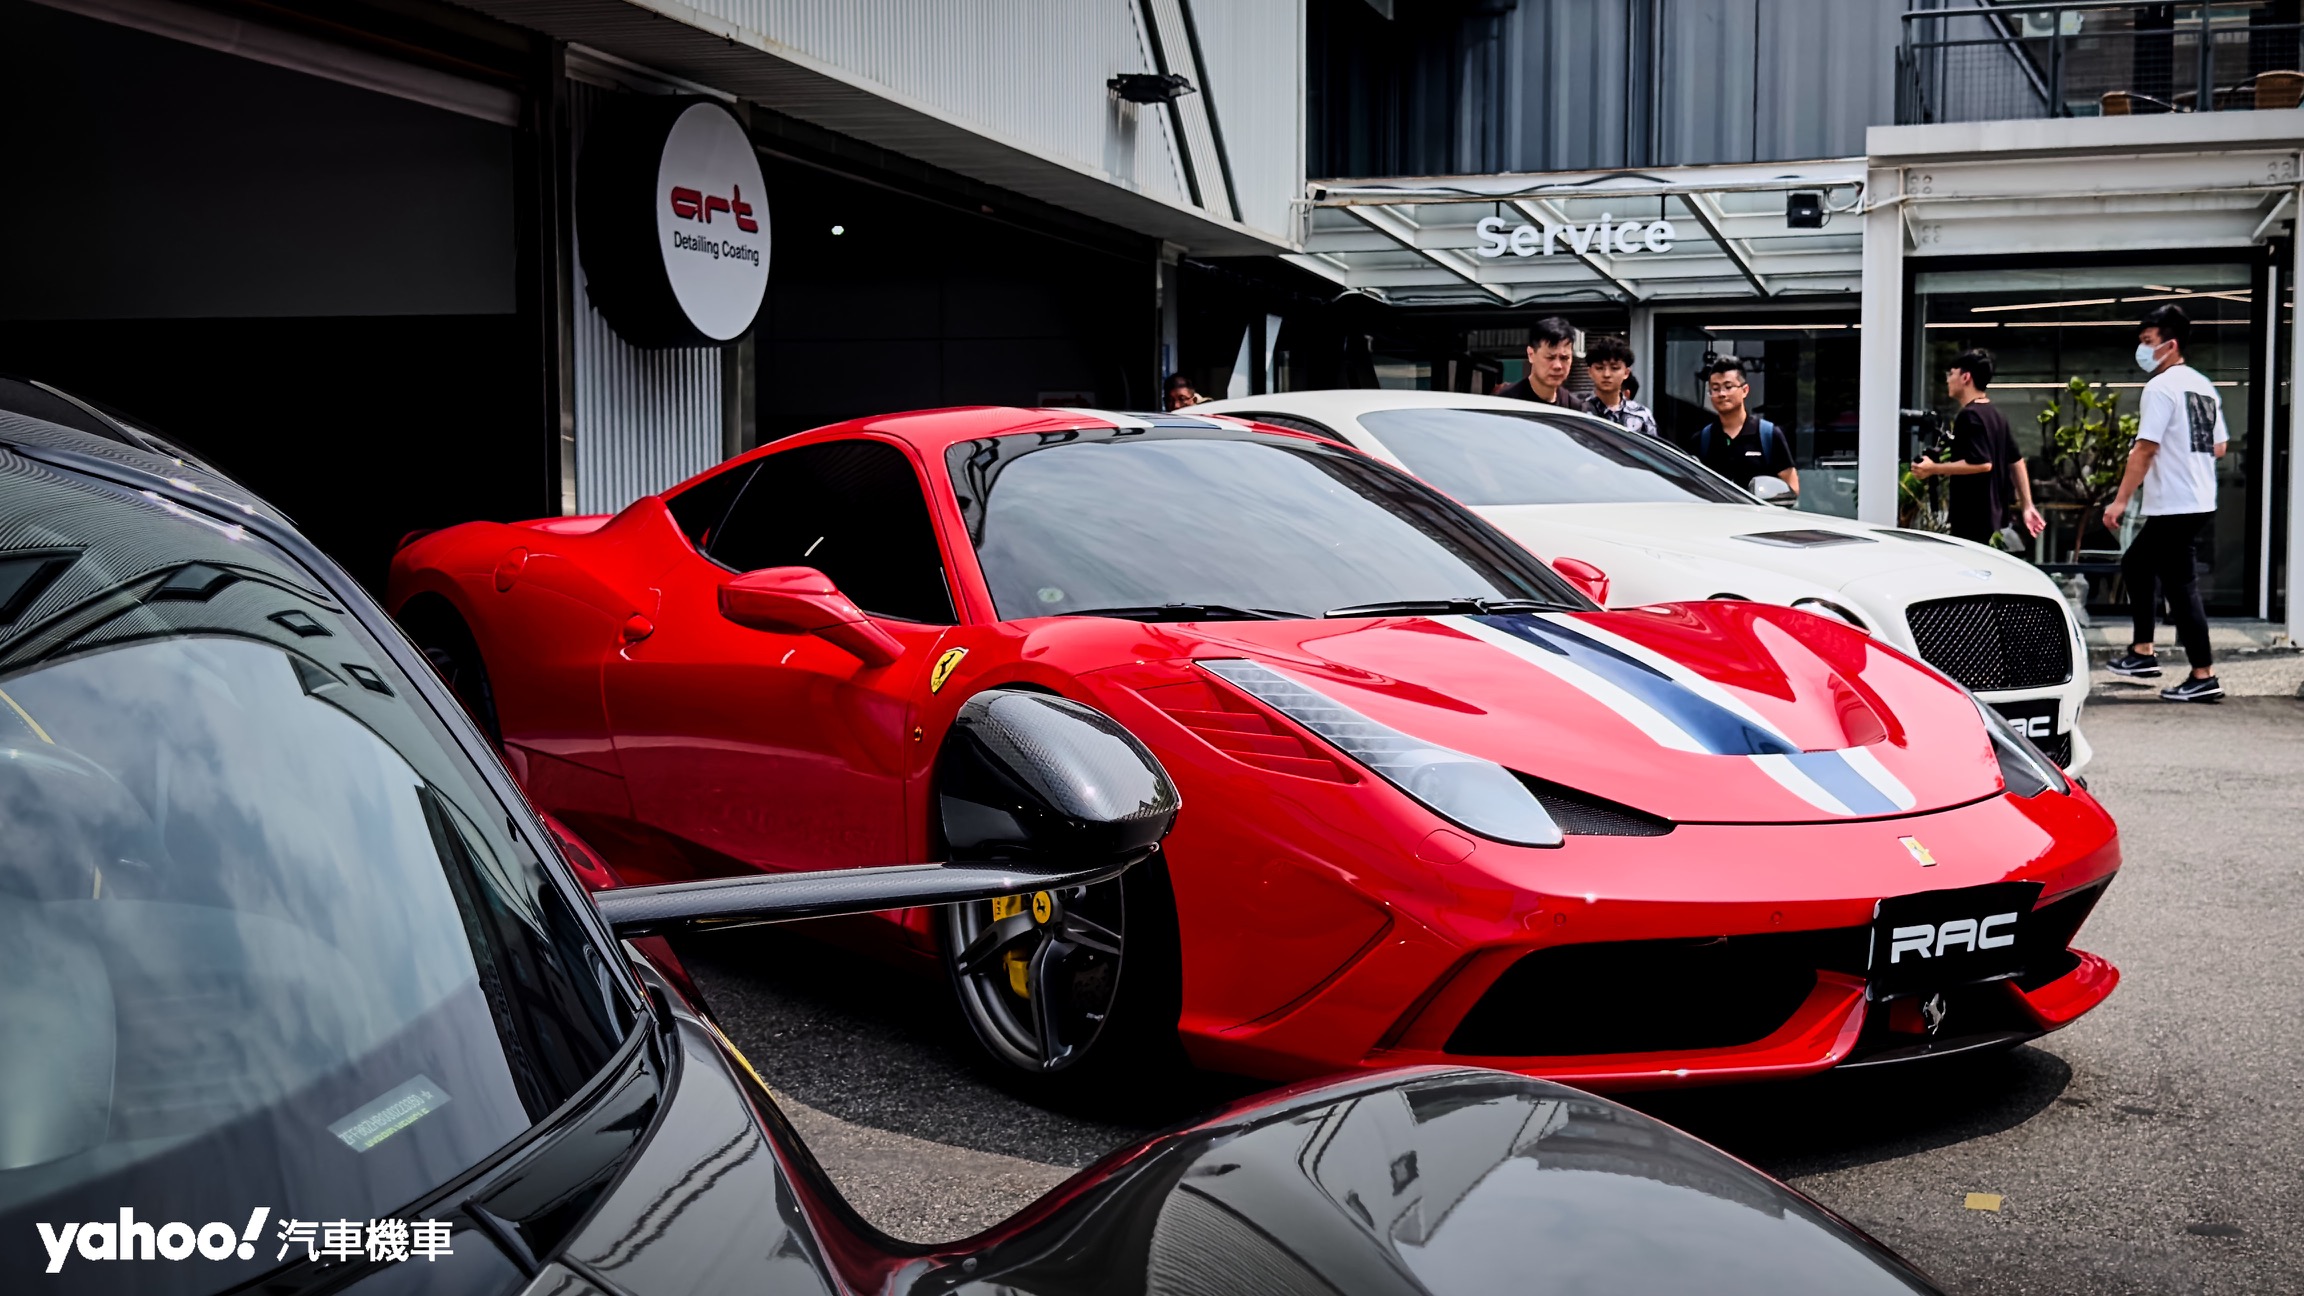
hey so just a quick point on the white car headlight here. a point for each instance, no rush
(1828, 608)
(1466, 790)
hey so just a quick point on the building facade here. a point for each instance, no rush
(335, 246)
(1844, 196)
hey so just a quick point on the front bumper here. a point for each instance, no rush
(1715, 953)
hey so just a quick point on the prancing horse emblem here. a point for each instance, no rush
(943, 668)
(1919, 852)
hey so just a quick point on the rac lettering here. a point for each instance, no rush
(1925, 941)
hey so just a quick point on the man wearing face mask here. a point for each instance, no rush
(2172, 473)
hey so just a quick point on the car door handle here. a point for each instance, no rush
(636, 628)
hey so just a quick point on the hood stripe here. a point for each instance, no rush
(1684, 711)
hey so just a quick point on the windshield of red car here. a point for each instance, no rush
(266, 937)
(1486, 457)
(1144, 518)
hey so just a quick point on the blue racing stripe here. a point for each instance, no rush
(1720, 730)
(1833, 773)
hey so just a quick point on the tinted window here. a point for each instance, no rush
(850, 509)
(266, 937)
(699, 509)
(1142, 519)
(1485, 457)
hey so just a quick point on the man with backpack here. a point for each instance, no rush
(1741, 446)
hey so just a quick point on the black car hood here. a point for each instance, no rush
(1436, 1181)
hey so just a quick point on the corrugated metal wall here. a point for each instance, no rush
(1033, 72)
(644, 419)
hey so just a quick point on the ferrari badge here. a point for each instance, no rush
(943, 668)
(1920, 853)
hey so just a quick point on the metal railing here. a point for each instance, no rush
(2087, 58)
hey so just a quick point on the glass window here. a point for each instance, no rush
(700, 509)
(852, 510)
(1485, 457)
(1803, 371)
(2050, 327)
(266, 938)
(1241, 521)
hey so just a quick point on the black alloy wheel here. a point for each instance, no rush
(1039, 975)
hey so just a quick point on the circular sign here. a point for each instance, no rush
(672, 222)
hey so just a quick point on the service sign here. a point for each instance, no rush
(672, 222)
(1606, 236)
(714, 244)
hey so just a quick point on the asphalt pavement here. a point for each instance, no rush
(2156, 1146)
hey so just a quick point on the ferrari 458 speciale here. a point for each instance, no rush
(1438, 805)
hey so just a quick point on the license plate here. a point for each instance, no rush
(2035, 718)
(1939, 939)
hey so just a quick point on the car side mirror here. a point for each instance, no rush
(1772, 490)
(1589, 580)
(1036, 793)
(803, 600)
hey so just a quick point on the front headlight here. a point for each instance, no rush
(1466, 790)
(1828, 608)
(2023, 767)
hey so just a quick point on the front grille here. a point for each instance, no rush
(1651, 996)
(1994, 641)
(2057, 749)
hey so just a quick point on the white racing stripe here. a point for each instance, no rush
(1781, 769)
(1646, 718)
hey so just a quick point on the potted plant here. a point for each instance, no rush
(2084, 441)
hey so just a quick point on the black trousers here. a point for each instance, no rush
(2161, 562)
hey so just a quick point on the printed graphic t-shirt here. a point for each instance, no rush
(2182, 414)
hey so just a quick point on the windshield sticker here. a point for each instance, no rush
(390, 1114)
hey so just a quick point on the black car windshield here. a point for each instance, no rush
(1232, 524)
(267, 940)
(1486, 456)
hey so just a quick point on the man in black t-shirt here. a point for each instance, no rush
(1741, 446)
(1987, 477)
(1551, 355)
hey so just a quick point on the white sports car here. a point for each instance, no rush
(1661, 527)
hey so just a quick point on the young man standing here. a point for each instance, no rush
(1741, 446)
(1609, 361)
(1551, 354)
(1986, 471)
(2179, 437)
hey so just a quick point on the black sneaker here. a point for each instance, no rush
(2134, 665)
(2195, 690)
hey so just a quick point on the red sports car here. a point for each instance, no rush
(1437, 806)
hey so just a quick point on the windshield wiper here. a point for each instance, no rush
(1190, 612)
(1442, 607)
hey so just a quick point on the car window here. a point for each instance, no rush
(1145, 518)
(852, 510)
(266, 936)
(700, 509)
(1486, 457)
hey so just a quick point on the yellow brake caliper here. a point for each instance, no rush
(1004, 907)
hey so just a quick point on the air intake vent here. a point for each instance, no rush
(1806, 538)
(1231, 725)
(1580, 814)
(1994, 641)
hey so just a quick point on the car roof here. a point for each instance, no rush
(22, 427)
(932, 432)
(1338, 403)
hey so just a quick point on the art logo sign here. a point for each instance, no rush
(714, 243)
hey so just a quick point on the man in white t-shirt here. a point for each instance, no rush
(2172, 473)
